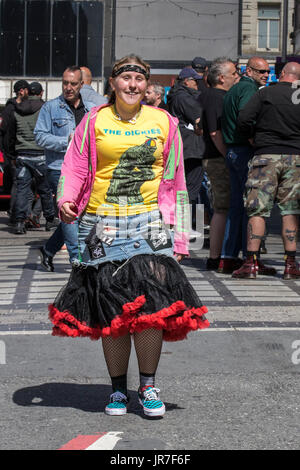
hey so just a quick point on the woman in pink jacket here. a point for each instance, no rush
(123, 178)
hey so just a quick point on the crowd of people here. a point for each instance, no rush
(117, 178)
(207, 99)
(244, 162)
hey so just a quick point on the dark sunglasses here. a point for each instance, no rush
(261, 71)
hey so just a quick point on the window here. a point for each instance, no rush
(89, 40)
(268, 27)
(64, 35)
(45, 36)
(37, 38)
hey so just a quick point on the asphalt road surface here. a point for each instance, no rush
(233, 386)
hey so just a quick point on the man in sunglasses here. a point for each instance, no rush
(272, 119)
(239, 153)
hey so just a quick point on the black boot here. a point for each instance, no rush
(46, 261)
(19, 228)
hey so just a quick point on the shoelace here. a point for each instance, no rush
(151, 393)
(118, 396)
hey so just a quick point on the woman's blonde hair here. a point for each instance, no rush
(131, 59)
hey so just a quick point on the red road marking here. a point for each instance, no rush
(82, 442)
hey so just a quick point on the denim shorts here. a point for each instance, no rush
(106, 238)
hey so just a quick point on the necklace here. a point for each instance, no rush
(131, 120)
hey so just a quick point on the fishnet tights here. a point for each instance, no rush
(147, 344)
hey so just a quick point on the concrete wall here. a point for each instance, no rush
(161, 30)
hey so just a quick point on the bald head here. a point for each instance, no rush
(86, 75)
(257, 62)
(290, 72)
(258, 69)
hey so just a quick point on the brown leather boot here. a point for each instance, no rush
(248, 269)
(292, 270)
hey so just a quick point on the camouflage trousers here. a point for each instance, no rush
(273, 179)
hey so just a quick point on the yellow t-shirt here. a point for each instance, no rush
(129, 163)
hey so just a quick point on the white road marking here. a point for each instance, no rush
(106, 442)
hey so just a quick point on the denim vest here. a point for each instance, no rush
(55, 123)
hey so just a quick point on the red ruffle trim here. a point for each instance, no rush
(176, 321)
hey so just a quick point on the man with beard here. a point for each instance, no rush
(154, 95)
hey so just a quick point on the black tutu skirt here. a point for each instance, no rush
(117, 298)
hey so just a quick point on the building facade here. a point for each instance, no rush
(262, 29)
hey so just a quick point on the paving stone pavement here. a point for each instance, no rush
(26, 289)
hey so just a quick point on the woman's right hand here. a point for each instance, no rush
(179, 257)
(68, 213)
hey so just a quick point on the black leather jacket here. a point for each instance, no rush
(183, 103)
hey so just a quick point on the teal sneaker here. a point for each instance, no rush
(150, 401)
(118, 404)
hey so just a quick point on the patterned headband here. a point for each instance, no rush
(131, 68)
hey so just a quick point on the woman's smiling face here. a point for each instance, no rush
(129, 87)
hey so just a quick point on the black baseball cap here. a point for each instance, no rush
(199, 63)
(35, 88)
(20, 85)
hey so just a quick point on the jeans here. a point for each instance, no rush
(28, 169)
(235, 238)
(64, 233)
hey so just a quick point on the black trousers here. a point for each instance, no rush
(193, 176)
(28, 168)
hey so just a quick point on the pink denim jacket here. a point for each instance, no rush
(79, 168)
